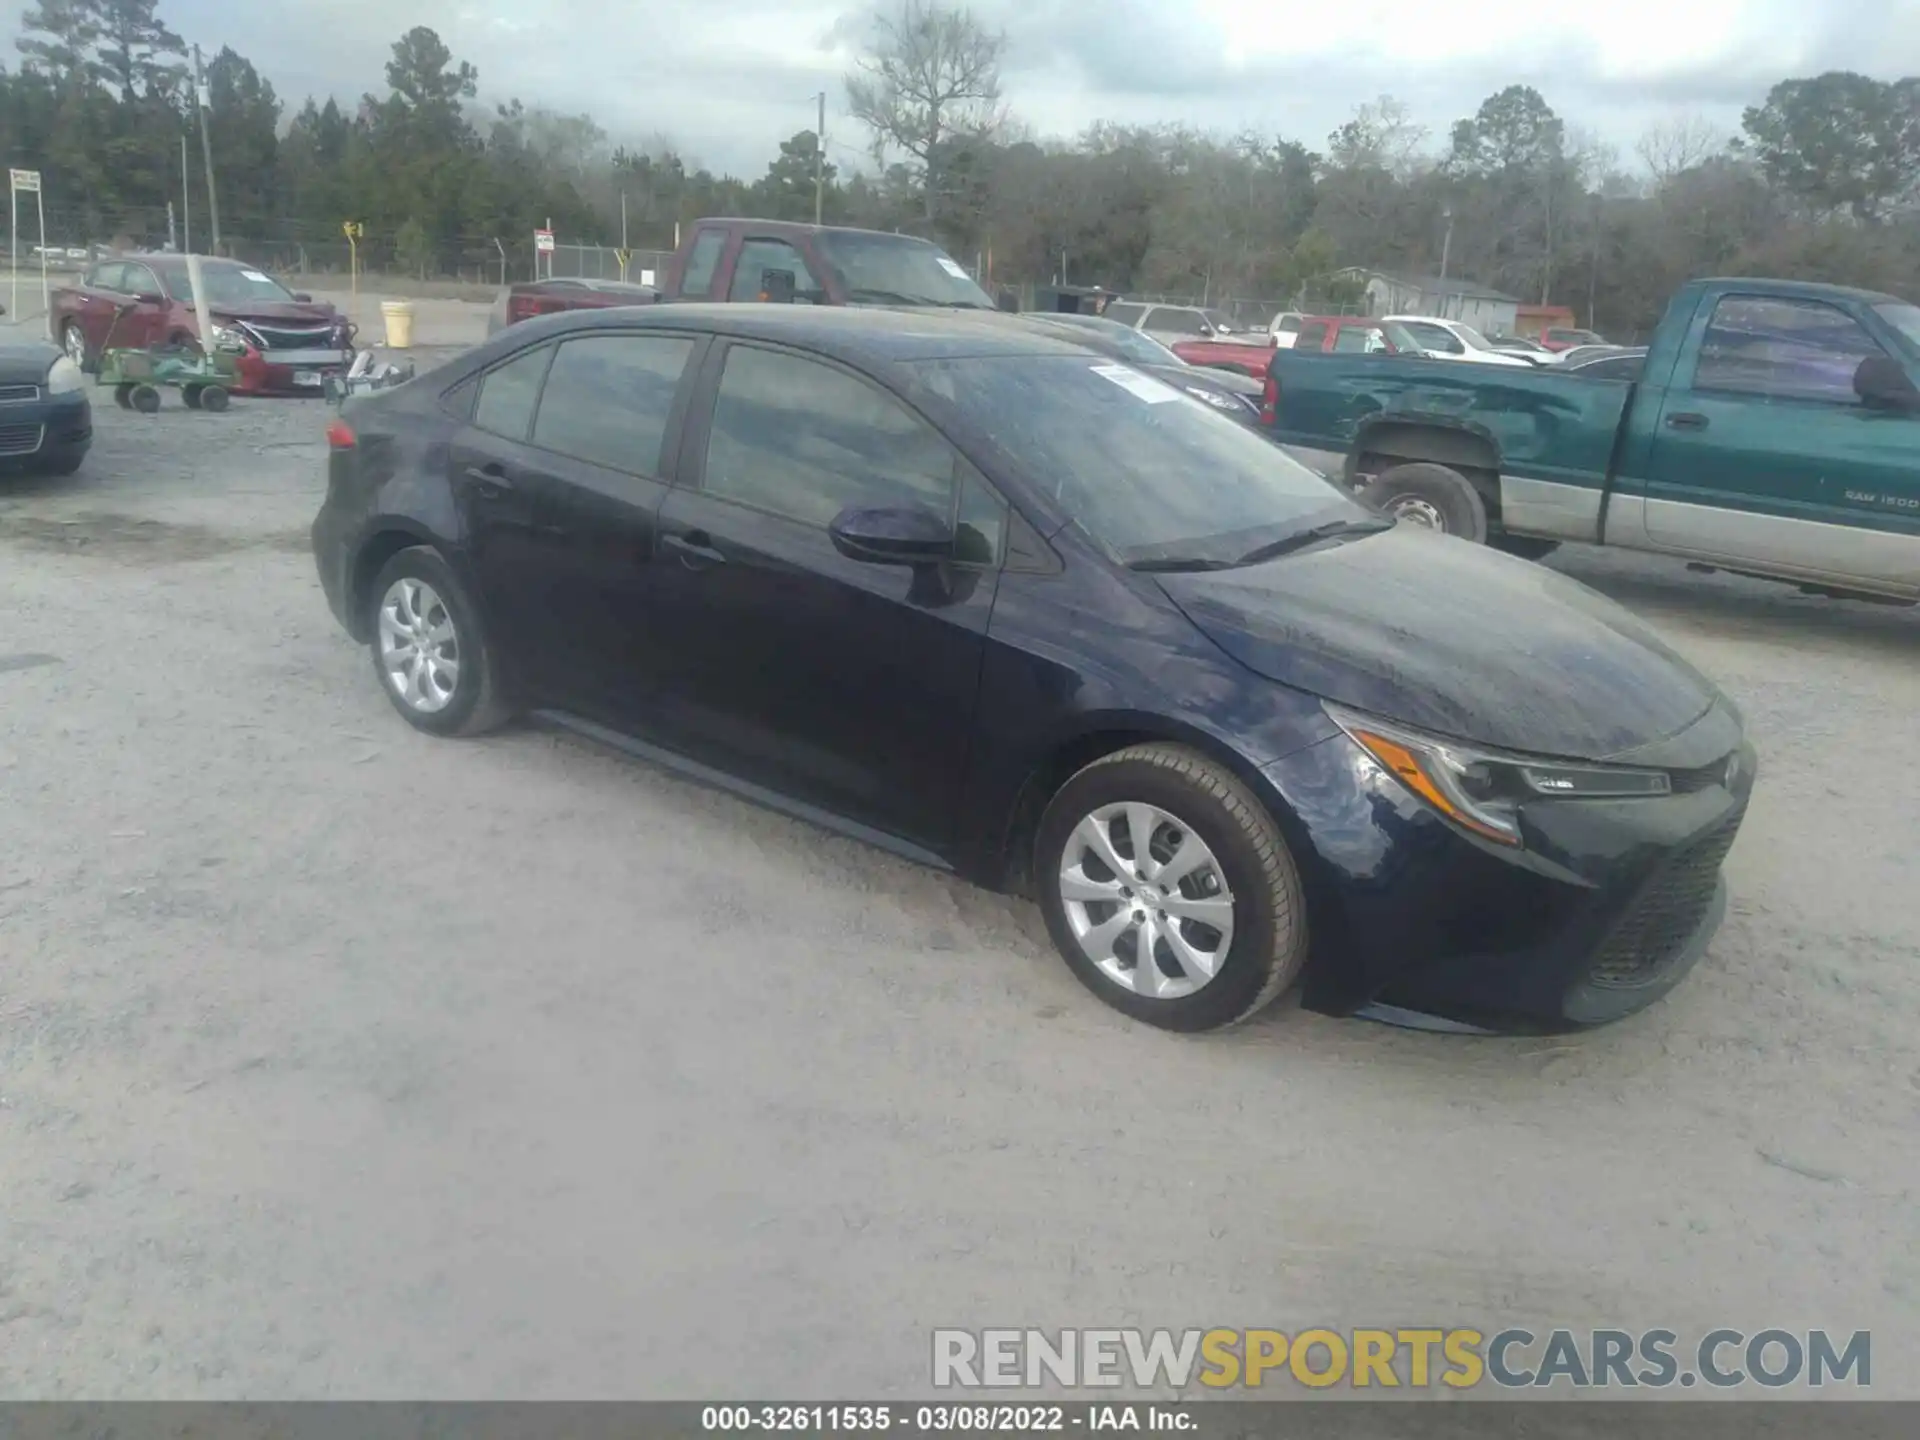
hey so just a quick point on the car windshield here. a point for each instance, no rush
(1138, 346)
(225, 284)
(900, 270)
(1471, 337)
(1903, 317)
(1154, 475)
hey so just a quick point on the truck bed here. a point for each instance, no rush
(1543, 425)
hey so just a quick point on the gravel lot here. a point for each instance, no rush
(337, 1061)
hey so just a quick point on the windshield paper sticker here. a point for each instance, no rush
(952, 267)
(255, 275)
(1143, 387)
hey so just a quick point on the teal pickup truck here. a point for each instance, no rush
(1774, 430)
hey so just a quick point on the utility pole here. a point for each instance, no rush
(623, 220)
(1446, 245)
(203, 102)
(186, 198)
(820, 162)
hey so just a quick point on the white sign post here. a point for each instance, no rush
(542, 245)
(29, 180)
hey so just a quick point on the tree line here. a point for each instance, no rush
(1822, 181)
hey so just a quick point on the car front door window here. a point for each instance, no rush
(801, 439)
(1782, 349)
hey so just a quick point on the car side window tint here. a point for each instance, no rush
(139, 280)
(804, 440)
(1437, 338)
(107, 277)
(759, 256)
(608, 398)
(1782, 350)
(1311, 337)
(1355, 340)
(981, 528)
(697, 282)
(508, 393)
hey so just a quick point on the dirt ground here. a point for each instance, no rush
(337, 1061)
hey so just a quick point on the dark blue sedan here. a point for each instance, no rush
(1021, 611)
(46, 420)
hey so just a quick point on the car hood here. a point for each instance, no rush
(1227, 382)
(286, 312)
(26, 364)
(1453, 638)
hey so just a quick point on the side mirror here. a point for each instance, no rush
(1883, 383)
(301, 297)
(777, 287)
(894, 535)
(150, 297)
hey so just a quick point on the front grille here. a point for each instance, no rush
(276, 337)
(1665, 913)
(10, 394)
(19, 439)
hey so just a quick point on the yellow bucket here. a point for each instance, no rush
(397, 316)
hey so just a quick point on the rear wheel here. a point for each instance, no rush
(1433, 497)
(123, 396)
(429, 649)
(214, 398)
(1168, 889)
(75, 344)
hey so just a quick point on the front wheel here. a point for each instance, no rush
(1432, 497)
(75, 344)
(429, 650)
(1168, 889)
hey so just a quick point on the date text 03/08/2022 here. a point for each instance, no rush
(948, 1419)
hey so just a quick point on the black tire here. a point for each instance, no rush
(1525, 547)
(1433, 495)
(214, 398)
(123, 396)
(145, 399)
(191, 395)
(476, 705)
(1269, 944)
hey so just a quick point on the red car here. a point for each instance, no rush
(1346, 335)
(282, 343)
(1565, 337)
(546, 297)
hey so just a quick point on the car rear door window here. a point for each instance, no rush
(805, 440)
(759, 256)
(702, 259)
(508, 393)
(1782, 349)
(608, 398)
(1312, 337)
(1357, 340)
(1436, 338)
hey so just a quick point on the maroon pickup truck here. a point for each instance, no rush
(774, 260)
(282, 342)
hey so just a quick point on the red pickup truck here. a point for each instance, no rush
(282, 342)
(777, 260)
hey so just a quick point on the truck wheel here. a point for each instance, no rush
(145, 399)
(1431, 496)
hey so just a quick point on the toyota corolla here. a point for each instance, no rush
(1020, 611)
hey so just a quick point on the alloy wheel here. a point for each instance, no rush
(74, 343)
(1146, 900)
(419, 649)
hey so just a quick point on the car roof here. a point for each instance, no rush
(800, 227)
(844, 332)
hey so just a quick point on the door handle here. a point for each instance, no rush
(695, 549)
(491, 479)
(1686, 420)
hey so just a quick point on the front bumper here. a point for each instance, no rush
(1605, 909)
(288, 372)
(46, 431)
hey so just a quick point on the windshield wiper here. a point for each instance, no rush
(1312, 535)
(1178, 564)
(885, 297)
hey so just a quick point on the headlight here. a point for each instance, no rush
(64, 377)
(226, 339)
(1232, 404)
(1482, 790)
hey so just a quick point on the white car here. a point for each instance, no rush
(1452, 340)
(1285, 326)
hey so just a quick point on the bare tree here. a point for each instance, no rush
(1679, 144)
(929, 78)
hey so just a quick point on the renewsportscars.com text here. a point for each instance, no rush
(1412, 1358)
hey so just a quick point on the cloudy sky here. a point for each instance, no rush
(728, 79)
